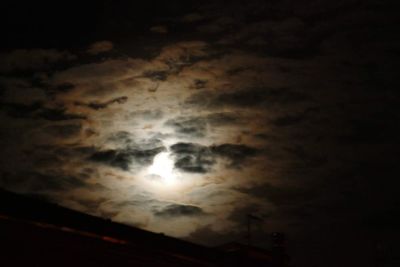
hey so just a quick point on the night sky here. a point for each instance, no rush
(182, 117)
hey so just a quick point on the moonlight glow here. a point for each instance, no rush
(163, 166)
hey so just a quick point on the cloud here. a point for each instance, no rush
(97, 105)
(63, 131)
(293, 119)
(280, 117)
(34, 59)
(183, 53)
(124, 159)
(27, 182)
(136, 210)
(146, 115)
(37, 111)
(199, 126)
(281, 195)
(106, 72)
(121, 138)
(222, 118)
(190, 126)
(127, 140)
(193, 158)
(249, 98)
(178, 210)
(20, 91)
(288, 120)
(58, 114)
(100, 47)
(155, 75)
(21, 110)
(284, 38)
(237, 154)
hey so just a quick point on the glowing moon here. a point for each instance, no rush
(163, 166)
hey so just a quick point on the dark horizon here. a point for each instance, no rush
(48, 234)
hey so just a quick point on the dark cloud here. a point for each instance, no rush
(196, 158)
(34, 59)
(281, 195)
(36, 110)
(127, 140)
(97, 105)
(113, 158)
(249, 98)
(184, 54)
(124, 158)
(196, 126)
(191, 126)
(222, 118)
(21, 110)
(292, 119)
(179, 210)
(288, 120)
(63, 131)
(237, 154)
(40, 182)
(124, 138)
(62, 87)
(59, 114)
(119, 205)
(73, 151)
(304, 157)
(199, 83)
(156, 75)
(192, 157)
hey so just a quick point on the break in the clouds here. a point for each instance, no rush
(242, 114)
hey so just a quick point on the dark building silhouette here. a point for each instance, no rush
(37, 233)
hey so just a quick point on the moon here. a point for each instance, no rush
(163, 166)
